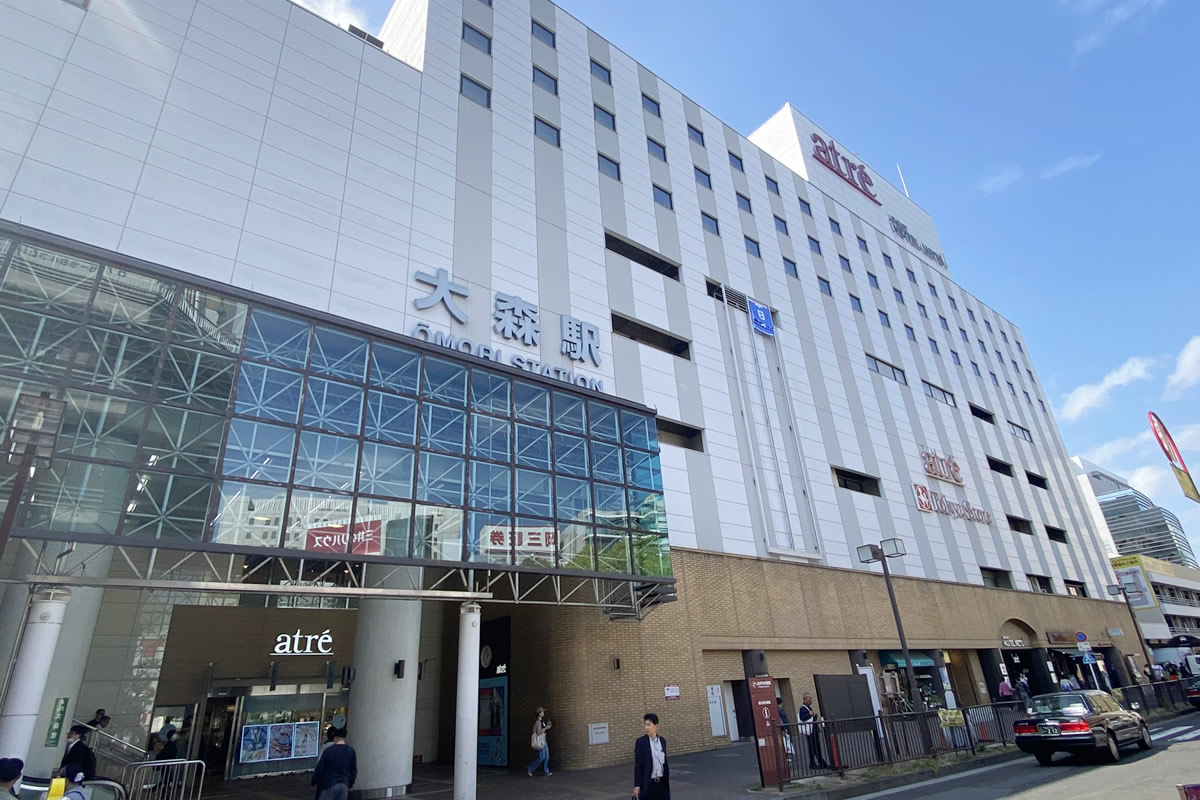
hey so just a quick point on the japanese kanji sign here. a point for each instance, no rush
(580, 340)
(514, 318)
(444, 291)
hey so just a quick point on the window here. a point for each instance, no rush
(987, 325)
(545, 131)
(735, 161)
(752, 247)
(945, 324)
(1004, 337)
(912, 276)
(886, 370)
(856, 304)
(982, 346)
(476, 91)
(652, 337)
(710, 224)
(921, 310)
(899, 295)
(825, 288)
(696, 135)
(954, 357)
(845, 262)
(602, 72)
(982, 413)
(609, 167)
(1016, 369)
(995, 578)
(962, 332)
(651, 105)
(663, 197)
(814, 245)
(680, 435)
(772, 185)
(975, 369)
(932, 290)
(995, 380)
(789, 267)
(545, 80)
(1037, 480)
(933, 345)
(1075, 588)
(805, 208)
(1040, 583)
(856, 481)
(999, 357)
(884, 320)
(605, 117)
(887, 261)
(703, 178)
(1043, 405)
(862, 245)
(938, 393)
(477, 39)
(1020, 525)
(743, 202)
(781, 226)
(542, 33)
(835, 226)
(953, 304)
(871, 279)
(1011, 389)
(655, 149)
(910, 333)
(971, 315)
(1003, 467)
(1019, 348)
(1019, 432)
(640, 255)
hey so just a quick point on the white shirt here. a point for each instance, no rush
(657, 756)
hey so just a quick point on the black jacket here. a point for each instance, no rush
(338, 764)
(643, 766)
(81, 756)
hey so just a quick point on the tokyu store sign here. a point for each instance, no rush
(945, 468)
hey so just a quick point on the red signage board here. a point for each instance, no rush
(1171, 451)
(367, 539)
(772, 763)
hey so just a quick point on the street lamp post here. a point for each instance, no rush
(30, 440)
(1115, 589)
(892, 548)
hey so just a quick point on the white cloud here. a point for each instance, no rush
(339, 12)
(1070, 164)
(1152, 480)
(1088, 396)
(1107, 453)
(1100, 19)
(1187, 370)
(1000, 179)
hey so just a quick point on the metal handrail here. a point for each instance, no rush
(114, 749)
(174, 779)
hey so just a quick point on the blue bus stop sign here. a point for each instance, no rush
(1088, 658)
(760, 318)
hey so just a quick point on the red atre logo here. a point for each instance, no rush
(852, 173)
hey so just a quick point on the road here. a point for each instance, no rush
(1152, 775)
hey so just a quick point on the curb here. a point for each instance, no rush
(844, 792)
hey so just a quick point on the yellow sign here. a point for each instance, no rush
(951, 718)
(1126, 561)
(58, 786)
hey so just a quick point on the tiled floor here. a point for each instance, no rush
(724, 774)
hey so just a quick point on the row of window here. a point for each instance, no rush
(1002, 579)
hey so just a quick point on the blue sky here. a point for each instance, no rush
(1055, 142)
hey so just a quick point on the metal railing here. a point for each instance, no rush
(175, 779)
(1167, 695)
(112, 754)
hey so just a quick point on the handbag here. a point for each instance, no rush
(537, 741)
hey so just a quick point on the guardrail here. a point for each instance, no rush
(1168, 695)
(175, 779)
(112, 754)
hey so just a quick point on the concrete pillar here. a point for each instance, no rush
(466, 714)
(382, 718)
(22, 702)
(1039, 673)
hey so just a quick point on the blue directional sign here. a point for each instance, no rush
(760, 318)
(1088, 658)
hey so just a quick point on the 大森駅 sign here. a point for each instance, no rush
(931, 502)
(1171, 451)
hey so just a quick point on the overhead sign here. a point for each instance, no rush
(1171, 451)
(1089, 658)
(304, 644)
(1132, 577)
(901, 230)
(944, 468)
(1084, 646)
(57, 718)
(851, 172)
(760, 318)
(930, 502)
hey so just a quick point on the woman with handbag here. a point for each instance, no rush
(538, 742)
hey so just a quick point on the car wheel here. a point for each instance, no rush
(1114, 750)
(1045, 759)
(1145, 743)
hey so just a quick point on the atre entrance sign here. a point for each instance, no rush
(772, 764)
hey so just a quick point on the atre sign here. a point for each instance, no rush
(944, 468)
(851, 172)
(303, 644)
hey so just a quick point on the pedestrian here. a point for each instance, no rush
(1064, 685)
(1006, 690)
(783, 724)
(100, 720)
(1148, 672)
(1023, 691)
(166, 750)
(167, 729)
(651, 773)
(73, 775)
(809, 728)
(78, 754)
(337, 768)
(10, 775)
(537, 740)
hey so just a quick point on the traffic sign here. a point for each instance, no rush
(1084, 646)
(1080, 636)
(1089, 658)
(760, 318)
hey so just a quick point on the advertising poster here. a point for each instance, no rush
(306, 739)
(1128, 570)
(254, 744)
(493, 722)
(280, 745)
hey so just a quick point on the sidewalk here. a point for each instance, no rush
(725, 774)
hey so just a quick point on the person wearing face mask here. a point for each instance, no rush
(78, 754)
(337, 768)
(73, 775)
(10, 776)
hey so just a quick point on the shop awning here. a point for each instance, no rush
(896, 658)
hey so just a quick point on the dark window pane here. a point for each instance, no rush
(574, 499)
(569, 413)
(180, 438)
(605, 117)
(490, 487)
(443, 428)
(490, 438)
(643, 470)
(542, 33)
(476, 91)
(570, 454)
(533, 447)
(532, 402)
(276, 338)
(196, 378)
(168, 507)
(327, 462)
(440, 479)
(269, 392)
(386, 470)
(445, 381)
(117, 361)
(101, 426)
(394, 368)
(208, 319)
(640, 430)
(604, 421)
(133, 301)
(545, 131)
(332, 405)
(339, 354)
(258, 450)
(477, 39)
(534, 495)
(610, 505)
(490, 393)
(392, 418)
(606, 462)
(249, 514)
(608, 167)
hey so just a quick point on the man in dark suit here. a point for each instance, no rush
(651, 775)
(78, 753)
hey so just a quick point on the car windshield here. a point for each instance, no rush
(1050, 704)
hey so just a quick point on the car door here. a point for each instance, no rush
(1119, 721)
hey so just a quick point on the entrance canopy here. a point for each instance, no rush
(896, 658)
